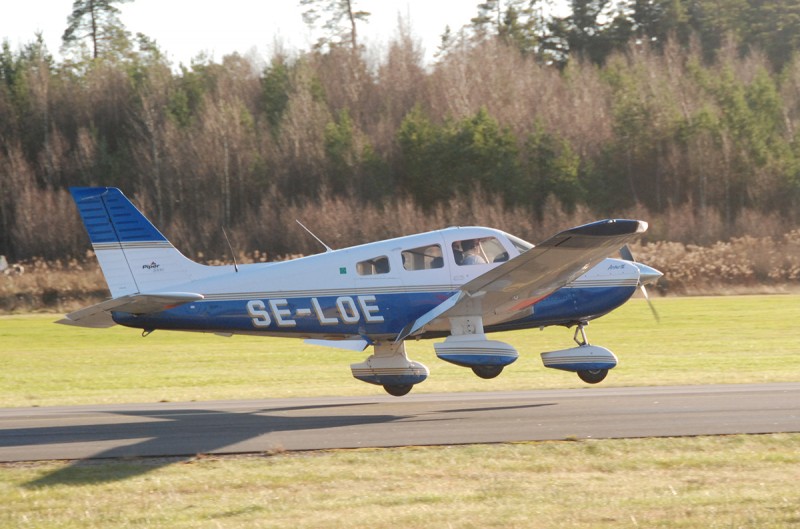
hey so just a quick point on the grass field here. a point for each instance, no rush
(734, 339)
(708, 482)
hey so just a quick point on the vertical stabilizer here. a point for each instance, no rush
(134, 256)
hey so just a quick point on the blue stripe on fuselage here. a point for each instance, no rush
(569, 305)
(365, 314)
(361, 314)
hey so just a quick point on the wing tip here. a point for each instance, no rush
(610, 227)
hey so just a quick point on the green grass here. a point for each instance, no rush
(706, 482)
(736, 339)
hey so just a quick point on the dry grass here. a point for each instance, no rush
(745, 264)
(705, 482)
(53, 286)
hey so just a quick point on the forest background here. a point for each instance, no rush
(684, 113)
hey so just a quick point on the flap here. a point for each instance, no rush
(349, 345)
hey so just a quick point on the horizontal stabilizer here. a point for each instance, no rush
(99, 315)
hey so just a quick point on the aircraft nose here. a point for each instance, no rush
(647, 274)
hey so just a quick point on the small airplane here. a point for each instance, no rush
(459, 283)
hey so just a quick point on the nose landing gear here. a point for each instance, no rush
(593, 376)
(590, 376)
(590, 362)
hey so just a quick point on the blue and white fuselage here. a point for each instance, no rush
(459, 282)
(304, 303)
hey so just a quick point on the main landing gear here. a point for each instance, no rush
(390, 367)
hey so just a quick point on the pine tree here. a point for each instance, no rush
(340, 20)
(98, 21)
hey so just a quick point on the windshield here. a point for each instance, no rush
(519, 244)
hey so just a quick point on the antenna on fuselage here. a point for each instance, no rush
(235, 265)
(327, 248)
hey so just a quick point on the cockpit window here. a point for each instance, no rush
(423, 258)
(376, 265)
(479, 251)
(519, 244)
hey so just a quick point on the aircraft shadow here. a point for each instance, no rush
(173, 436)
(499, 408)
(179, 435)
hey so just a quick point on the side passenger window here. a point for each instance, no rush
(376, 265)
(423, 258)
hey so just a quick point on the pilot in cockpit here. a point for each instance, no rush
(471, 252)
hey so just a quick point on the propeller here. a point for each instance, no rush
(647, 275)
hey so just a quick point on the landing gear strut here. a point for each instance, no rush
(590, 376)
(581, 328)
(590, 362)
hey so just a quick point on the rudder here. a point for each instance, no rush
(133, 255)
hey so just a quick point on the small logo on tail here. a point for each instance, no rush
(152, 266)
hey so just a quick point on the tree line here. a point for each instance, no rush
(688, 116)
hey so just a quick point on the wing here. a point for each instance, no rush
(509, 289)
(99, 315)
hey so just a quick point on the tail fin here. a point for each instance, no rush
(134, 256)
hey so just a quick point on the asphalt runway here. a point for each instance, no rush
(229, 427)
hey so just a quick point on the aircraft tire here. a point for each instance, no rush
(398, 390)
(487, 372)
(593, 376)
